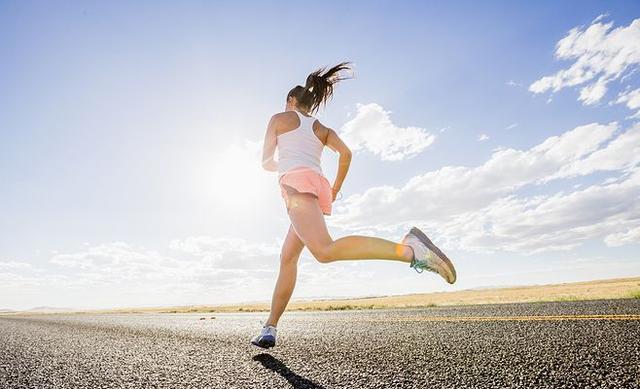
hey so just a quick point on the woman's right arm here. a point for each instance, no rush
(269, 147)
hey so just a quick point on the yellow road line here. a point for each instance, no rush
(508, 318)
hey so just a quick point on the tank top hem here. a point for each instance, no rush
(300, 167)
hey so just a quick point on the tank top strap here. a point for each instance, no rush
(306, 121)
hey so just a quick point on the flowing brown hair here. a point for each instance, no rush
(318, 88)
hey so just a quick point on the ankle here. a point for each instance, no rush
(408, 254)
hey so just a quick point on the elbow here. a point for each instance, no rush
(345, 158)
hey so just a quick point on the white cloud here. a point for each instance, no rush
(460, 189)
(600, 54)
(631, 98)
(511, 126)
(594, 92)
(220, 258)
(13, 265)
(478, 208)
(483, 137)
(117, 261)
(553, 222)
(513, 83)
(195, 270)
(372, 129)
(621, 238)
(228, 253)
(600, 17)
(622, 153)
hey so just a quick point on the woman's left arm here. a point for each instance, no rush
(269, 147)
(336, 144)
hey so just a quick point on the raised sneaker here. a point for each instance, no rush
(427, 256)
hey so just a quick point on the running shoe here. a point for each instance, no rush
(266, 338)
(426, 256)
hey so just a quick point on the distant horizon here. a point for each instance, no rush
(305, 299)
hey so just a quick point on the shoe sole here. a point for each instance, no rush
(265, 346)
(427, 242)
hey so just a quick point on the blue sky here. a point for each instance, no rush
(129, 138)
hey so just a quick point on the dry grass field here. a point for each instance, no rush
(619, 288)
(591, 290)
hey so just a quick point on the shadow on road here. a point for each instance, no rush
(276, 365)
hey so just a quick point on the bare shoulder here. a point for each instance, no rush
(285, 121)
(321, 131)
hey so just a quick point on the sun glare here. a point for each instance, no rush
(236, 177)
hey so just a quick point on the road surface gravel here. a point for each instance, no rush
(593, 344)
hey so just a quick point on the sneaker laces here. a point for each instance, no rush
(421, 266)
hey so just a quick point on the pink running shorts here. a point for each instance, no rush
(305, 180)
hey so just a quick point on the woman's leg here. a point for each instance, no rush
(291, 249)
(308, 221)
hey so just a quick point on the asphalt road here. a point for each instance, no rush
(545, 345)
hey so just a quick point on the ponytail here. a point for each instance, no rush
(318, 88)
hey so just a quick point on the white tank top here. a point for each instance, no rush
(300, 147)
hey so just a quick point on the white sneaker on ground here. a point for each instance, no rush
(266, 338)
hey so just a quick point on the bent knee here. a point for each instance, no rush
(322, 254)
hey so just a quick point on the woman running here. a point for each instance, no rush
(308, 195)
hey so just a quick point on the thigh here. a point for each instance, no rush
(292, 246)
(308, 221)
